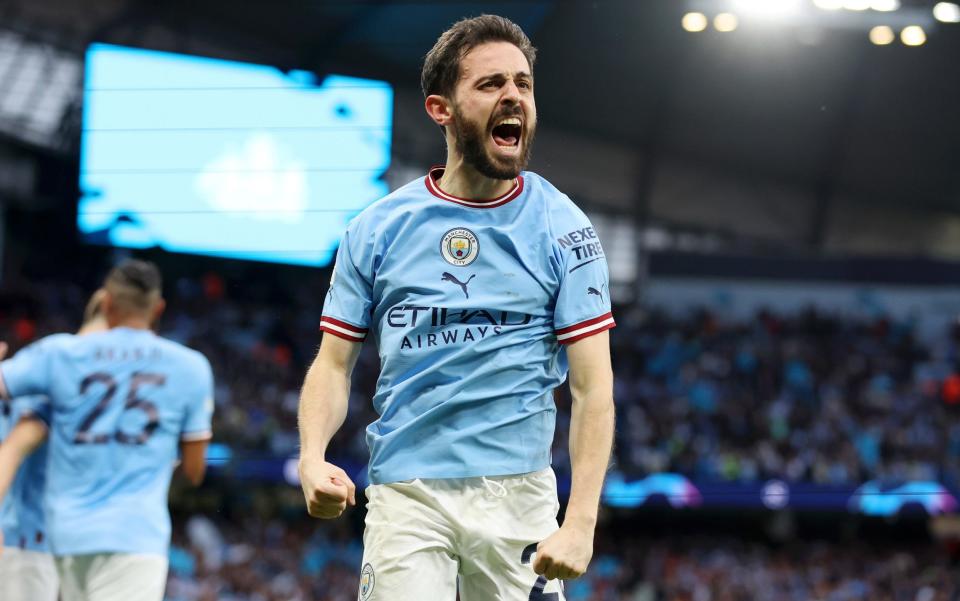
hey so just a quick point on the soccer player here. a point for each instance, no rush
(123, 402)
(27, 570)
(482, 284)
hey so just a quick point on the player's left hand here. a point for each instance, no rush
(564, 554)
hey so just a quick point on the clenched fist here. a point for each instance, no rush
(327, 489)
(564, 554)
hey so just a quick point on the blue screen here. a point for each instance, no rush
(215, 157)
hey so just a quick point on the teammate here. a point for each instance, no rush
(27, 570)
(481, 284)
(122, 402)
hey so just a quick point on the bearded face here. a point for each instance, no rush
(499, 147)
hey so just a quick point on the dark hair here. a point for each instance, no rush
(142, 275)
(135, 284)
(441, 66)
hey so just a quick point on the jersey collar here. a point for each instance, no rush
(437, 171)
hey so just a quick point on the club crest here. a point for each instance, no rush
(367, 582)
(459, 247)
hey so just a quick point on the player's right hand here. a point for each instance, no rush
(327, 489)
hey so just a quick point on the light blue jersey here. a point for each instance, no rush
(469, 303)
(21, 513)
(122, 400)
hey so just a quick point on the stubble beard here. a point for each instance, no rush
(470, 137)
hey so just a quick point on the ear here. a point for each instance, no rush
(106, 301)
(158, 311)
(439, 109)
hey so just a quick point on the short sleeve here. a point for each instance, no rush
(197, 423)
(347, 308)
(33, 407)
(583, 301)
(28, 372)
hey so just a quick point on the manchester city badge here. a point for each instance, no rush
(459, 247)
(367, 581)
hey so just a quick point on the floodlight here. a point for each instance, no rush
(885, 6)
(947, 12)
(828, 4)
(913, 35)
(694, 22)
(881, 35)
(725, 22)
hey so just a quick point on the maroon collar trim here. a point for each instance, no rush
(435, 172)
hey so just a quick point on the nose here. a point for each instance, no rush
(511, 93)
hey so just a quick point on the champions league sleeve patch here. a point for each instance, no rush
(459, 247)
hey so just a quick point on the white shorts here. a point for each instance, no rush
(27, 576)
(112, 577)
(424, 538)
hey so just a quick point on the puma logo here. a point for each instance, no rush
(592, 290)
(449, 277)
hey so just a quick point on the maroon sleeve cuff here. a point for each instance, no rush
(342, 329)
(585, 329)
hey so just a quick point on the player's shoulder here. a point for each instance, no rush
(378, 221)
(397, 202)
(49, 343)
(559, 207)
(179, 352)
(56, 339)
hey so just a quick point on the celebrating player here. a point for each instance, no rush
(122, 402)
(482, 283)
(27, 570)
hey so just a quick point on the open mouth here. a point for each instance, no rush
(507, 132)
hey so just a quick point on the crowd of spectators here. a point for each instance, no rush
(808, 397)
(272, 560)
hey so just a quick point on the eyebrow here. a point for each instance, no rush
(501, 75)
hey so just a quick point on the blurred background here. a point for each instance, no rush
(776, 184)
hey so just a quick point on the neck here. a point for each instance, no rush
(462, 180)
(134, 322)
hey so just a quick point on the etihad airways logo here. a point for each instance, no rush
(442, 326)
(408, 316)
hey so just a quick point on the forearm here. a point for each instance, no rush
(9, 464)
(591, 442)
(23, 440)
(323, 407)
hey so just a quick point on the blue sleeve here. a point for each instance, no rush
(36, 407)
(28, 372)
(583, 300)
(197, 422)
(349, 302)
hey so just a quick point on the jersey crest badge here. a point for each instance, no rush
(367, 581)
(459, 247)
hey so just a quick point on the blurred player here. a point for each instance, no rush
(481, 282)
(27, 570)
(123, 402)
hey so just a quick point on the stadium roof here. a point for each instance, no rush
(814, 108)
